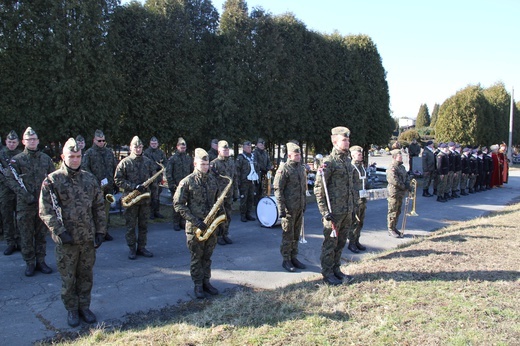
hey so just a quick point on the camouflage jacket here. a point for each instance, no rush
(82, 204)
(338, 177)
(225, 166)
(290, 186)
(357, 182)
(442, 163)
(102, 163)
(428, 160)
(157, 156)
(178, 167)
(132, 171)
(212, 154)
(398, 180)
(244, 167)
(262, 160)
(32, 167)
(5, 157)
(195, 196)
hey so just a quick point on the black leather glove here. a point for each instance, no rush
(100, 237)
(329, 217)
(201, 225)
(140, 188)
(283, 213)
(66, 238)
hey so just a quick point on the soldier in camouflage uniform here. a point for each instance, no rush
(31, 166)
(8, 197)
(224, 165)
(428, 166)
(100, 161)
(80, 141)
(335, 175)
(154, 153)
(78, 227)
(442, 171)
(131, 173)
(473, 166)
(213, 151)
(290, 185)
(359, 176)
(193, 199)
(247, 178)
(178, 167)
(398, 185)
(264, 165)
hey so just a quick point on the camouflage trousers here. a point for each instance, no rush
(247, 190)
(332, 248)
(33, 234)
(137, 215)
(394, 210)
(75, 264)
(449, 182)
(291, 226)
(223, 228)
(357, 222)
(155, 192)
(472, 181)
(201, 252)
(455, 186)
(464, 179)
(428, 177)
(441, 188)
(7, 214)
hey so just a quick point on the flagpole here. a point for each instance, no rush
(509, 148)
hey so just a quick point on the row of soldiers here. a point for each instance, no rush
(454, 171)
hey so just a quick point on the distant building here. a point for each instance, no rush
(406, 123)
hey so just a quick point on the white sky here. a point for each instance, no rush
(430, 49)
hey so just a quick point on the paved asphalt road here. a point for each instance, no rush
(31, 308)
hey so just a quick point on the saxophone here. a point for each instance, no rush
(210, 219)
(136, 196)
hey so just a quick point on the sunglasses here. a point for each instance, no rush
(100, 140)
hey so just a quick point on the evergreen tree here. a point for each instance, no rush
(423, 117)
(500, 103)
(435, 113)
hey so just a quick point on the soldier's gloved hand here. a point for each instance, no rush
(201, 225)
(100, 237)
(329, 217)
(141, 188)
(66, 238)
(283, 213)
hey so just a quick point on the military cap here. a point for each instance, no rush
(443, 145)
(154, 139)
(429, 143)
(223, 144)
(474, 151)
(292, 148)
(457, 145)
(356, 148)
(466, 149)
(451, 144)
(181, 141)
(71, 145)
(29, 132)
(214, 141)
(340, 130)
(494, 147)
(396, 152)
(99, 133)
(248, 143)
(484, 149)
(12, 135)
(260, 140)
(201, 154)
(79, 138)
(136, 141)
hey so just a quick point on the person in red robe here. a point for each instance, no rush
(505, 168)
(496, 178)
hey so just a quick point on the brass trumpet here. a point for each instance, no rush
(110, 198)
(411, 197)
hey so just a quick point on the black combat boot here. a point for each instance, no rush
(454, 195)
(199, 292)
(87, 315)
(287, 265)
(441, 199)
(29, 270)
(243, 218)
(43, 267)
(250, 217)
(352, 247)
(227, 240)
(73, 318)
(221, 241)
(297, 263)
(463, 192)
(359, 246)
(108, 237)
(207, 287)
(9, 250)
(142, 251)
(132, 254)
(332, 280)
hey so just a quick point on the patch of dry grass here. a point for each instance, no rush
(461, 286)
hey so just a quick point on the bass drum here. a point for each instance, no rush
(267, 212)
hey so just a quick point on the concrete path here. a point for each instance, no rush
(31, 308)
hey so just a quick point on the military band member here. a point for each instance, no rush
(78, 227)
(247, 177)
(193, 199)
(8, 197)
(443, 164)
(154, 153)
(398, 184)
(31, 167)
(179, 166)
(290, 186)
(263, 162)
(213, 151)
(224, 165)
(336, 177)
(100, 161)
(130, 175)
(428, 166)
(359, 176)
